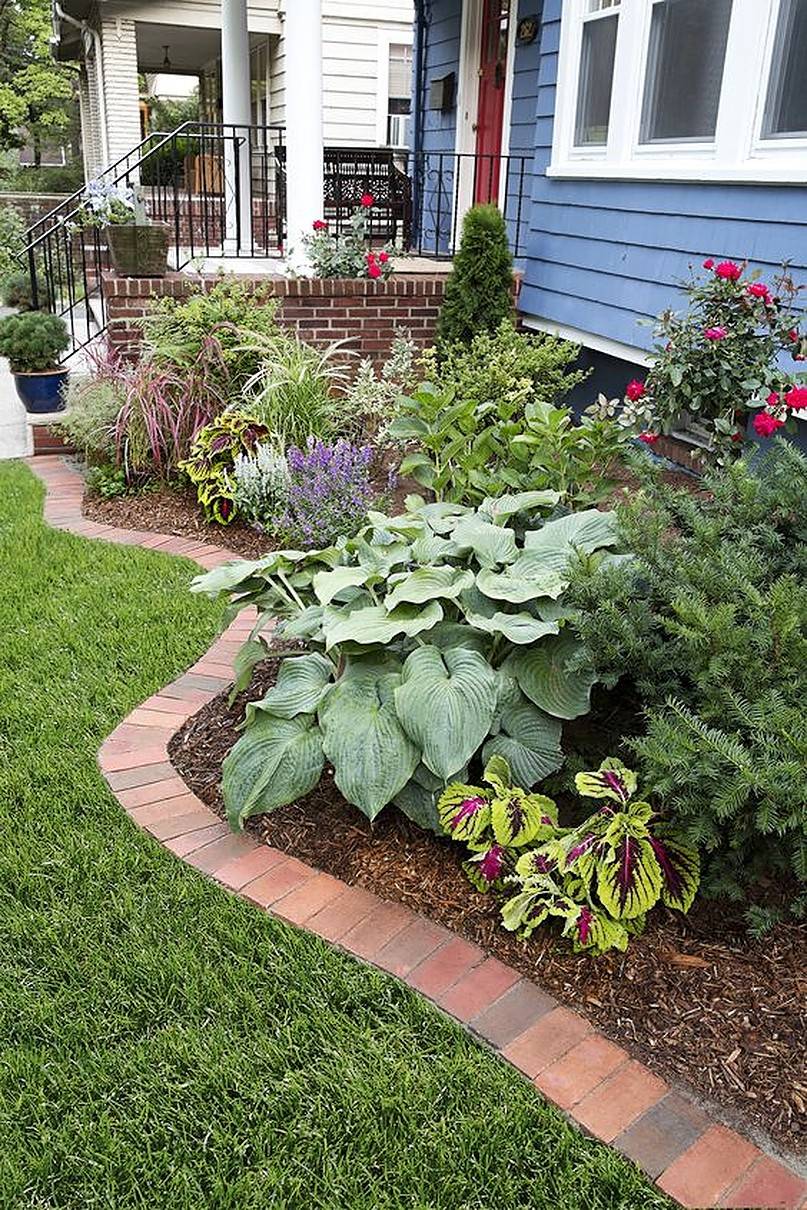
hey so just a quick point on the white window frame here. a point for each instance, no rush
(738, 152)
(386, 39)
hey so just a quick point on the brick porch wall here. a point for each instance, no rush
(32, 206)
(367, 313)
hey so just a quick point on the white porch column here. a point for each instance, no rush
(236, 111)
(119, 85)
(304, 172)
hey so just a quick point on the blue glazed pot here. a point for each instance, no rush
(42, 392)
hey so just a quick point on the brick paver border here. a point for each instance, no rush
(598, 1085)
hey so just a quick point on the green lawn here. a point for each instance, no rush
(164, 1045)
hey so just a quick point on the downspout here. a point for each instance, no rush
(92, 34)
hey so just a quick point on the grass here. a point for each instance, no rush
(163, 1044)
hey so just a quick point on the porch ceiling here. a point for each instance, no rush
(189, 49)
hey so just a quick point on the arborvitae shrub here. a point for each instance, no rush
(479, 289)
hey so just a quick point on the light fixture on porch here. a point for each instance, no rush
(166, 60)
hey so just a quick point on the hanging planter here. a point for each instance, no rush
(139, 250)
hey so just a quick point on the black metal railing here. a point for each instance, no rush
(221, 191)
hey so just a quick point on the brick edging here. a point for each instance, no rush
(694, 1159)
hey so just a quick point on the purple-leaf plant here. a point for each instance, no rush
(599, 879)
(329, 492)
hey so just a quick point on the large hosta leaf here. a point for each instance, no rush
(630, 883)
(680, 871)
(518, 628)
(429, 583)
(275, 761)
(585, 531)
(492, 544)
(301, 684)
(524, 580)
(227, 577)
(431, 548)
(373, 624)
(446, 704)
(419, 804)
(544, 676)
(305, 625)
(372, 756)
(328, 584)
(248, 655)
(529, 740)
(502, 508)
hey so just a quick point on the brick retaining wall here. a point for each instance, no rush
(32, 206)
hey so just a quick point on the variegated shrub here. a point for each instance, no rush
(599, 879)
(434, 638)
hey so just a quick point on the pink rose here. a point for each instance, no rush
(373, 270)
(765, 424)
(715, 333)
(319, 224)
(728, 271)
(709, 264)
(796, 398)
(367, 200)
(635, 390)
(649, 438)
(758, 289)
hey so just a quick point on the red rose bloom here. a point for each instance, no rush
(373, 270)
(649, 438)
(383, 257)
(728, 271)
(765, 424)
(715, 333)
(367, 200)
(737, 436)
(793, 335)
(758, 289)
(796, 398)
(319, 224)
(709, 264)
(772, 399)
(635, 390)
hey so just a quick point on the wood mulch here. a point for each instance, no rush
(695, 997)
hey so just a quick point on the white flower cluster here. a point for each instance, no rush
(260, 484)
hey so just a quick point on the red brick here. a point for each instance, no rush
(143, 775)
(278, 881)
(152, 753)
(767, 1184)
(709, 1168)
(419, 939)
(249, 866)
(183, 845)
(212, 857)
(546, 1040)
(437, 973)
(343, 914)
(157, 720)
(308, 899)
(166, 808)
(662, 1133)
(619, 1100)
(477, 990)
(516, 1011)
(371, 934)
(166, 829)
(581, 1069)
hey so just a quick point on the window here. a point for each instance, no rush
(597, 53)
(684, 69)
(786, 108)
(400, 95)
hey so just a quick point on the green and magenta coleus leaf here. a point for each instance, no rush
(680, 871)
(464, 812)
(612, 780)
(629, 879)
(518, 818)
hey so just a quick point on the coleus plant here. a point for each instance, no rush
(211, 464)
(434, 638)
(599, 879)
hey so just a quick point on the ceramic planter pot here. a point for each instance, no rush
(41, 391)
(139, 251)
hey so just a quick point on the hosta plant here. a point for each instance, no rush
(211, 464)
(435, 639)
(598, 880)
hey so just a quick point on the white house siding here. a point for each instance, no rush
(121, 91)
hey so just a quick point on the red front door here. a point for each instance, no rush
(490, 107)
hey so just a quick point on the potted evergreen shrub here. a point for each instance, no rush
(33, 342)
(137, 247)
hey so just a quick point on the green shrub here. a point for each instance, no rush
(211, 464)
(436, 639)
(33, 341)
(479, 289)
(107, 481)
(599, 878)
(294, 390)
(12, 242)
(92, 409)
(708, 621)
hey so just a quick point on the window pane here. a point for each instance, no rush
(685, 69)
(786, 110)
(596, 81)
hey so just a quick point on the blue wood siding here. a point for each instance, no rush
(601, 256)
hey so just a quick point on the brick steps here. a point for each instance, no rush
(693, 1158)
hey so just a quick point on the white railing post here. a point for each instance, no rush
(304, 165)
(236, 116)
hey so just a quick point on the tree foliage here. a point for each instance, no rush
(36, 93)
(479, 290)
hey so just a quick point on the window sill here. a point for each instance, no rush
(752, 172)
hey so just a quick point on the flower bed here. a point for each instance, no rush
(695, 997)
